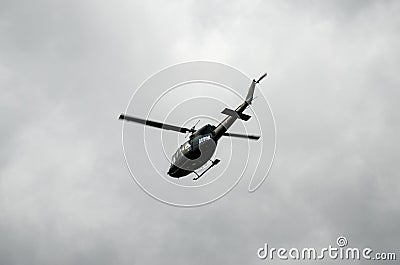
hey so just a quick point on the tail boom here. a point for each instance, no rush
(233, 115)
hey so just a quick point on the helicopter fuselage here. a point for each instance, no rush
(194, 153)
(202, 144)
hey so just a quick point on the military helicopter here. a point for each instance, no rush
(202, 143)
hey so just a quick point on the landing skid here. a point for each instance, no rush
(215, 162)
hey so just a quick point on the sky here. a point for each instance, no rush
(68, 69)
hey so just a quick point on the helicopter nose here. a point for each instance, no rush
(172, 170)
(177, 172)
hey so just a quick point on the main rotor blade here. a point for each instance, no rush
(155, 124)
(251, 137)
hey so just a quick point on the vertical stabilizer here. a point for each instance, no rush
(250, 93)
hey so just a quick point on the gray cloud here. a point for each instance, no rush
(67, 70)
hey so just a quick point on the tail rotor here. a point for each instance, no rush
(261, 78)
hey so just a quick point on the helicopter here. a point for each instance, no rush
(199, 149)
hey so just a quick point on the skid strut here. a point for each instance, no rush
(213, 163)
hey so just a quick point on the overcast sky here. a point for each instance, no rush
(68, 68)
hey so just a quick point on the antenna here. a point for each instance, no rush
(192, 130)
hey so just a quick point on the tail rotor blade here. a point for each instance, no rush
(261, 78)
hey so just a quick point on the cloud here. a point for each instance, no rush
(68, 68)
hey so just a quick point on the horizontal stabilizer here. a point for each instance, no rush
(233, 113)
